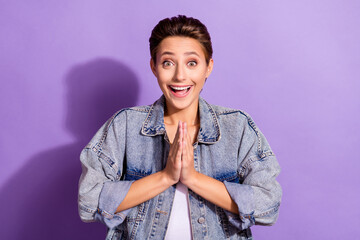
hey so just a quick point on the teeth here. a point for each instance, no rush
(180, 88)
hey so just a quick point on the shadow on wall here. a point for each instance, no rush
(40, 201)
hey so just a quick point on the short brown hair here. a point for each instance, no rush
(181, 26)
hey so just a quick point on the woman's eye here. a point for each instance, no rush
(192, 63)
(167, 64)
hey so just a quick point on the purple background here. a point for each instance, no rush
(67, 66)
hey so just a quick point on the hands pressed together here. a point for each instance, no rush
(179, 167)
(180, 163)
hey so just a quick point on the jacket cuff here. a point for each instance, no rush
(111, 196)
(243, 197)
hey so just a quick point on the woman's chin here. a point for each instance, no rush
(180, 104)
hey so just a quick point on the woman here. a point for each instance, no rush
(180, 168)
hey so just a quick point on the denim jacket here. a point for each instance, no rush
(134, 144)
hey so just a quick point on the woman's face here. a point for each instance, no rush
(181, 70)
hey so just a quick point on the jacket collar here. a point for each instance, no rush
(209, 131)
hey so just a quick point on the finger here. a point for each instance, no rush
(177, 132)
(178, 154)
(185, 156)
(185, 133)
(187, 139)
(174, 148)
(190, 148)
(179, 140)
(181, 135)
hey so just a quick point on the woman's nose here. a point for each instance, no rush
(180, 74)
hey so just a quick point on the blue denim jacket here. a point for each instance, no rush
(134, 144)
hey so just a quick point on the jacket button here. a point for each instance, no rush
(201, 220)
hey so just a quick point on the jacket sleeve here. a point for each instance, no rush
(101, 189)
(258, 194)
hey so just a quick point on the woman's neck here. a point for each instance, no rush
(189, 115)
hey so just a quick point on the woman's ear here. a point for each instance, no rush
(152, 66)
(210, 67)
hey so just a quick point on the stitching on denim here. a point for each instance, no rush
(246, 164)
(224, 221)
(140, 108)
(250, 217)
(107, 159)
(214, 117)
(273, 210)
(252, 125)
(144, 129)
(250, 122)
(150, 130)
(130, 172)
(229, 111)
(228, 178)
(101, 155)
(97, 148)
(140, 212)
(252, 159)
(162, 212)
(266, 154)
(155, 221)
(105, 214)
(139, 217)
(201, 205)
(120, 215)
(111, 121)
(87, 209)
(108, 215)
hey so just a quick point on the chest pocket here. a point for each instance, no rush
(229, 177)
(229, 230)
(137, 213)
(135, 175)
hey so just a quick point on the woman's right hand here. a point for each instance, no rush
(172, 169)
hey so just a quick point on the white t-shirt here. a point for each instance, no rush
(179, 227)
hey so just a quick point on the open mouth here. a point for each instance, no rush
(180, 91)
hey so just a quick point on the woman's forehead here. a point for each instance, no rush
(176, 45)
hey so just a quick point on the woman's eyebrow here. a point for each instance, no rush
(167, 53)
(186, 53)
(191, 53)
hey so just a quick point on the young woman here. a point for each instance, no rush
(179, 168)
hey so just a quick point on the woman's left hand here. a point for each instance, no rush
(188, 173)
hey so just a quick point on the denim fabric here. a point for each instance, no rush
(134, 144)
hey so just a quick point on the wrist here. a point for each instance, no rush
(192, 180)
(166, 179)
